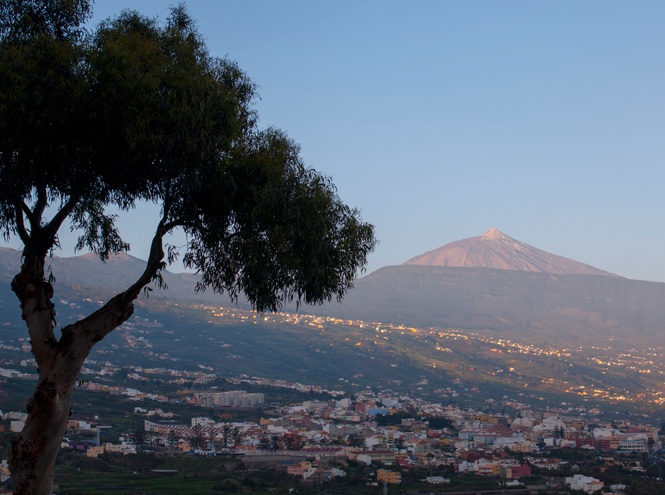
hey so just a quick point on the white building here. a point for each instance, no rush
(437, 480)
(634, 443)
(16, 426)
(201, 421)
(233, 398)
(585, 483)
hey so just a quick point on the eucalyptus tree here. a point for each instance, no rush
(138, 110)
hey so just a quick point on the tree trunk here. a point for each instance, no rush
(34, 450)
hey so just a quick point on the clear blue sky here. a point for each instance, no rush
(440, 120)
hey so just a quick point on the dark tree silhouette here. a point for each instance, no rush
(172, 439)
(139, 437)
(356, 440)
(275, 443)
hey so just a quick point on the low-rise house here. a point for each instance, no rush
(370, 456)
(585, 483)
(389, 476)
(487, 468)
(437, 480)
(95, 451)
(514, 472)
(112, 448)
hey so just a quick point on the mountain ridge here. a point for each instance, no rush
(512, 302)
(115, 275)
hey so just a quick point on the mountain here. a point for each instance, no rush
(513, 302)
(495, 249)
(497, 283)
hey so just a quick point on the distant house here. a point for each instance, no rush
(514, 472)
(437, 480)
(585, 483)
(390, 476)
(112, 448)
(94, 451)
(371, 456)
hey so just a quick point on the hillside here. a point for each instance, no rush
(509, 301)
(495, 249)
(118, 273)
(353, 355)
(513, 302)
(523, 307)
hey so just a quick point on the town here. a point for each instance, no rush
(410, 430)
(314, 442)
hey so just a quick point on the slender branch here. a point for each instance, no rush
(155, 260)
(30, 215)
(178, 222)
(40, 206)
(118, 310)
(56, 221)
(20, 224)
(172, 225)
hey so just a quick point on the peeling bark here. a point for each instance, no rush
(34, 450)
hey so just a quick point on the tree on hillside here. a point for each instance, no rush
(356, 440)
(139, 437)
(275, 444)
(197, 441)
(226, 429)
(139, 111)
(172, 439)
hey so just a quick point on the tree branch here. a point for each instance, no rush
(180, 222)
(155, 260)
(29, 214)
(118, 310)
(35, 295)
(173, 224)
(19, 206)
(56, 221)
(38, 314)
(96, 326)
(40, 206)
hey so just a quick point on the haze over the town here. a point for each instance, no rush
(441, 120)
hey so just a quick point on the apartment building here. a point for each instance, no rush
(390, 476)
(233, 398)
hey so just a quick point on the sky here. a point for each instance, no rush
(440, 120)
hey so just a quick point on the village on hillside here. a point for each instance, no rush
(314, 442)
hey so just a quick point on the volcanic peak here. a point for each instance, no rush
(495, 234)
(494, 249)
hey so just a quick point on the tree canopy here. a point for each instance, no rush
(139, 111)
